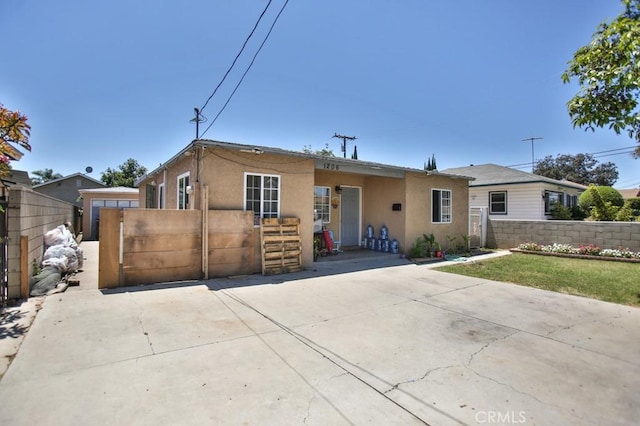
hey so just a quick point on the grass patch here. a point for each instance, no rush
(615, 282)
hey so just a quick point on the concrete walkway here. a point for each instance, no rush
(387, 343)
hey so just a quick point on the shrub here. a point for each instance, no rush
(634, 203)
(625, 213)
(601, 209)
(560, 212)
(423, 246)
(607, 193)
(578, 213)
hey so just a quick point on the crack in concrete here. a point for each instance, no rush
(469, 361)
(144, 331)
(518, 391)
(570, 326)
(424, 376)
(486, 345)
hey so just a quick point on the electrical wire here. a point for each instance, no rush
(248, 68)
(626, 150)
(237, 56)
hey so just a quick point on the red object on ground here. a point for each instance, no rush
(327, 240)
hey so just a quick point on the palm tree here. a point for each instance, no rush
(43, 176)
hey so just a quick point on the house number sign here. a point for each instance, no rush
(331, 166)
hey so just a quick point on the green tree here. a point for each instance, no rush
(126, 174)
(326, 151)
(45, 175)
(601, 209)
(431, 164)
(579, 168)
(608, 72)
(14, 130)
(607, 194)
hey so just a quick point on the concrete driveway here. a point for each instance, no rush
(400, 344)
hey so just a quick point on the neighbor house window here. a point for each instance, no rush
(550, 199)
(441, 206)
(161, 196)
(571, 201)
(150, 198)
(321, 203)
(262, 196)
(498, 202)
(183, 195)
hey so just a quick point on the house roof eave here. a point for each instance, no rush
(371, 167)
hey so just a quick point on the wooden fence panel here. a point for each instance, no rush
(231, 238)
(161, 245)
(166, 245)
(109, 253)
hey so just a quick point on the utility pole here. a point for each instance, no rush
(344, 142)
(532, 157)
(199, 118)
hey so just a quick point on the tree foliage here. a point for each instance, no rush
(126, 174)
(579, 168)
(605, 193)
(14, 130)
(431, 164)
(326, 151)
(42, 176)
(600, 208)
(608, 72)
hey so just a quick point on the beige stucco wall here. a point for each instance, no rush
(418, 212)
(88, 197)
(223, 173)
(378, 197)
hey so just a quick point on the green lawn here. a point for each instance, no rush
(616, 282)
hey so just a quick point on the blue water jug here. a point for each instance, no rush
(369, 231)
(384, 233)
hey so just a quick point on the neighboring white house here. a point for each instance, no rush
(508, 193)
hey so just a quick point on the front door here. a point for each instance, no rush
(350, 217)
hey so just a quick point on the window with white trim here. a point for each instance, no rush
(262, 196)
(183, 196)
(498, 202)
(322, 203)
(441, 206)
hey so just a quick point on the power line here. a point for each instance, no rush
(248, 68)
(594, 154)
(237, 56)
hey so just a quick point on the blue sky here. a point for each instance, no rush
(464, 80)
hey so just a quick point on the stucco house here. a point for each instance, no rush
(508, 193)
(346, 195)
(66, 188)
(95, 198)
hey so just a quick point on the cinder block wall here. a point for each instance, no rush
(31, 214)
(509, 233)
